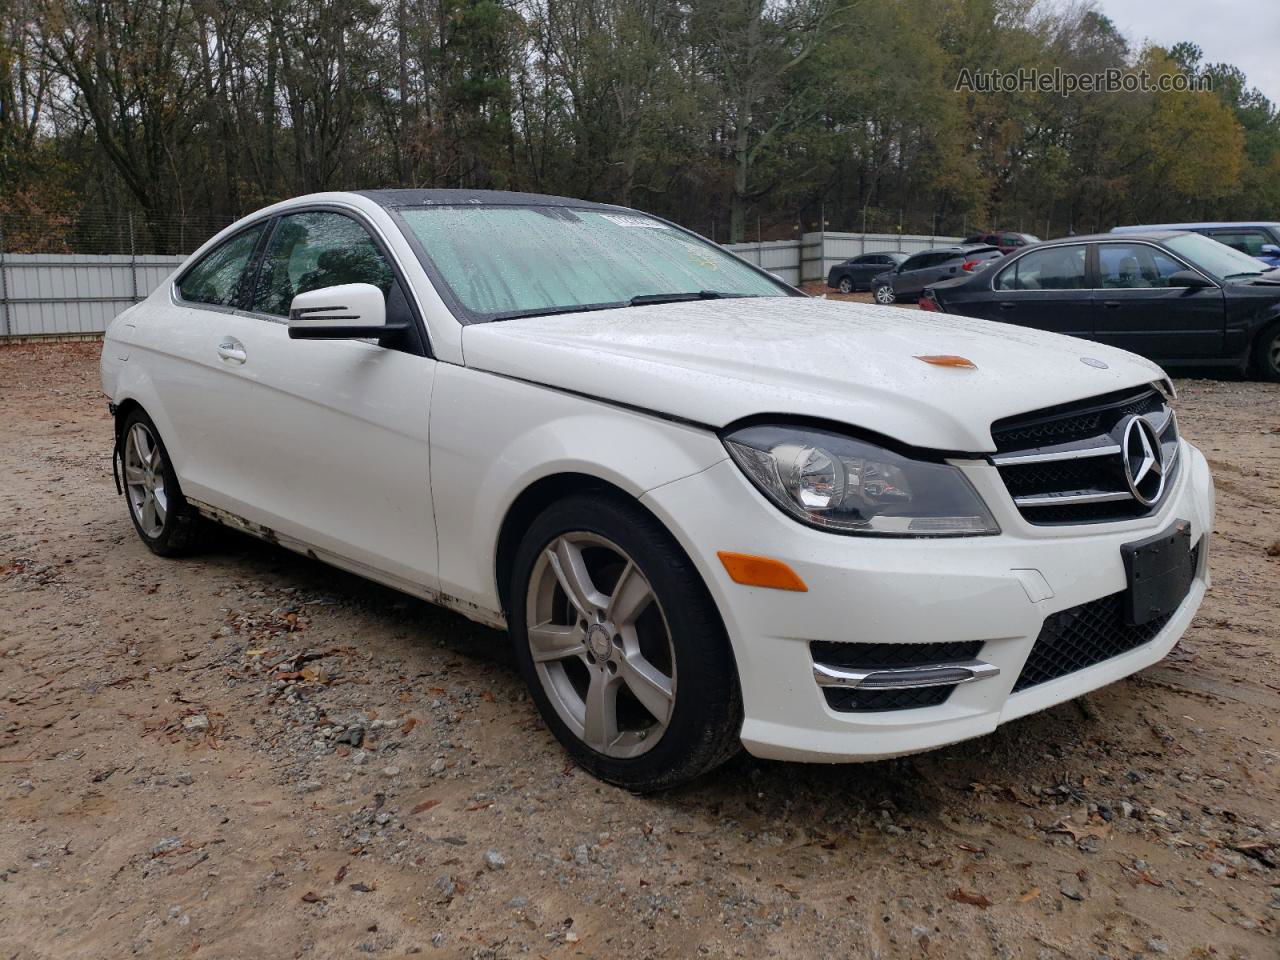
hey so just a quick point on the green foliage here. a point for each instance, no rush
(742, 117)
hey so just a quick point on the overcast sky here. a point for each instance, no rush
(1243, 32)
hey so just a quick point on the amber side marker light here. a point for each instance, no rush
(964, 363)
(761, 572)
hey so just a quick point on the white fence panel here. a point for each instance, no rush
(52, 294)
(779, 257)
(813, 256)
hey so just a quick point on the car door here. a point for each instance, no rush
(1136, 309)
(331, 436)
(867, 267)
(914, 274)
(1046, 289)
(186, 356)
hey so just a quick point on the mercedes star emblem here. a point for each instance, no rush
(1143, 460)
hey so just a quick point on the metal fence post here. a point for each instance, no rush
(133, 261)
(5, 328)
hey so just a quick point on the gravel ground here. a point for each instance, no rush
(247, 754)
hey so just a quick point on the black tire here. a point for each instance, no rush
(705, 717)
(178, 532)
(845, 285)
(1266, 353)
(884, 295)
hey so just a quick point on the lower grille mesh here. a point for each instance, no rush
(1085, 635)
(857, 701)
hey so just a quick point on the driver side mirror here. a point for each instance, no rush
(1189, 279)
(1270, 250)
(350, 311)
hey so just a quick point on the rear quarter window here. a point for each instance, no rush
(219, 277)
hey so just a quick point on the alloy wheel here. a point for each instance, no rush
(144, 473)
(600, 644)
(885, 295)
(846, 285)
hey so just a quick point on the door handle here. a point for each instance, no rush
(1007, 305)
(232, 350)
(1111, 304)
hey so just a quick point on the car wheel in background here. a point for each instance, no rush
(621, 645)
(164, 520)
(846, 285)
(884, 294)
(1266, 353)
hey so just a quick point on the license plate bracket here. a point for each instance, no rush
(1159, 573)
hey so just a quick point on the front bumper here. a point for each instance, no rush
(997, 590)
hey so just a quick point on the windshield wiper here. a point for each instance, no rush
(647, 298)
(1246, 273)
(552, 311)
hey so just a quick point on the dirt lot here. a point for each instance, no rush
(246, 754)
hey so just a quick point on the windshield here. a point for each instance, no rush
(502, 262)
(1214, 257)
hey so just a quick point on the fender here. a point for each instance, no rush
(493, 437)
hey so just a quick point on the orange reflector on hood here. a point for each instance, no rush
(761, 572)
(946, 360)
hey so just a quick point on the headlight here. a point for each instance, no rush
(845, 485)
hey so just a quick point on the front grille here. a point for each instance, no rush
(867, 656)
(1073, 421)
(1088, 634)
(1065, 464)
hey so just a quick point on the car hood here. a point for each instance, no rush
(715, 362)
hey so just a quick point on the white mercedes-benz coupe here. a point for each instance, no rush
(711, 512)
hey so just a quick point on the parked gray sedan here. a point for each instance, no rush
(909, 278)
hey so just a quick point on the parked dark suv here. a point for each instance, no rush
(856, 273)
(905, 281)
(1175, 297)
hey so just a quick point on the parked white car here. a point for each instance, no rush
(710, 511)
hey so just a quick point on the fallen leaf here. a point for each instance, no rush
(424, 806)
(342, 872)
(961, 895)
(408, 725)
(1029, 895)
(310, 897)
(363, 888)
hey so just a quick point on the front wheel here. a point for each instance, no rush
(160, 514)
(621, 645)
(884, 295)
(1266, 353)
(846, 285)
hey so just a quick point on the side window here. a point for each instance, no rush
(1056, 268)
(308, 251)
(919, 261)
(1123, 266)
(218, 277)
(1246, 241)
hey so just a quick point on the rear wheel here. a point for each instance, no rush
(884, 294)
(1266, 353)
(164, 520)
(621, 646)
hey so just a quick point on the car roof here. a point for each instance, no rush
(1195, 226)
(395, 197)
(1156, 235)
